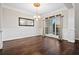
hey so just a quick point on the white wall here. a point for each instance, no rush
(10, 27)
(1, 44)
(70, 26)
(65, 25)
(77, 21)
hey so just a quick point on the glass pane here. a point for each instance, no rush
(57, 30)
(53, 28)
(46, 26)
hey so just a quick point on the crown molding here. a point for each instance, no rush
(16, 9)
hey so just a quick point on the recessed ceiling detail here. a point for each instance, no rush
(43, 9)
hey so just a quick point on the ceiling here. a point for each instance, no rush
(28, 7)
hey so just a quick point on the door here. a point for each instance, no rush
(53, 26)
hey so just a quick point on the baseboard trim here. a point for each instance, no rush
(71, 41)
(52, 37)
(62, 39)
(21, 38)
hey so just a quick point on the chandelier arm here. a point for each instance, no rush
(37, 5)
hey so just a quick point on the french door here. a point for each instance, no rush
(53, 26)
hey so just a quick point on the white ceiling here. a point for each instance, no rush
(28, 7)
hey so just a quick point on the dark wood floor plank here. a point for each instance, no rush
(39, 45)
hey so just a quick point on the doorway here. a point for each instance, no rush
(54, 26)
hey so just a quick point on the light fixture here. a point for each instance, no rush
(36, 5)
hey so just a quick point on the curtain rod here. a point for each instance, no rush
(54, 16)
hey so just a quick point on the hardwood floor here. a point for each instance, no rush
(0, 51)
(76, 47)
(39, 45)
(57, 47)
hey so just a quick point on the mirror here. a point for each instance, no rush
(26, 22)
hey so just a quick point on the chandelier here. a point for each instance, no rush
(36, 5)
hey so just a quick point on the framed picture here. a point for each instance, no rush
(26, 22)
